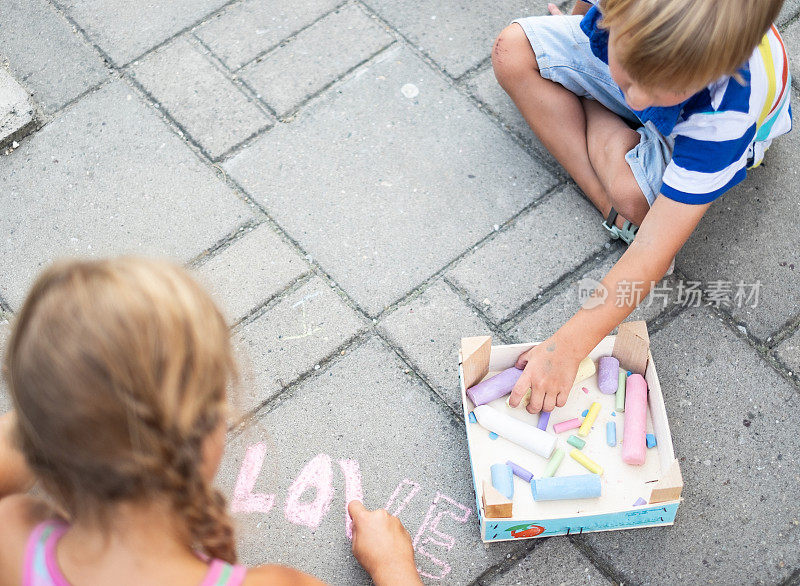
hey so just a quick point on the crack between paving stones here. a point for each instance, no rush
(274, 300)
(223, 243)
(599, 561)
(793, 579)
(253, 415)
(260, 56)
(423, 286)
(556, 287)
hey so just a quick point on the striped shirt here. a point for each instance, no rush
(723, 130)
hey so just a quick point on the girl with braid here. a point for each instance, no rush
(118, 371)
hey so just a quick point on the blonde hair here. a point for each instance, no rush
(118, 370)
(686, 44)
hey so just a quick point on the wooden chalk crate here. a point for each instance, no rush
(657, 482)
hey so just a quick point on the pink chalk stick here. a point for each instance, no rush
(495, 387)
(634, 445)
(608, 375)
(567, 425)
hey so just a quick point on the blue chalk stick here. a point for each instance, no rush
(611, 433)
(629, 373)
(544, 417)
(503, 480)
(613, 414)
(520, 471)
(651, 440)
(585, 413)
(493, 435)
(582, 486)
(472, 418)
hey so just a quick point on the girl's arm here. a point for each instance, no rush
(550, 367)
(15, 476)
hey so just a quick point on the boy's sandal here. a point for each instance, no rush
(628, 231)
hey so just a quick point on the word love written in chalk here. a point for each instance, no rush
(317, 474)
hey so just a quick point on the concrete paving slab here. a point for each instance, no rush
(201, 98)
(484, 88)
(750, 235)
(789, 353)
(384, 189)
(364, 426)
(314, 58)
(251, 270)
(738, 447)
(789, 11)
(109, 178)
(542, 322)
(16, 109)
(537, 250)
(124, 30)
(247, 29)
(457, 35)
(46, 54)
(429, 332)
(290, 338)
(553, 561)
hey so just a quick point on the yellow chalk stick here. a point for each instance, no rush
(588, 421)
(585, 369)
(586, 462)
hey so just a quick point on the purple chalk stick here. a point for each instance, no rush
(544, 417)
(520, 471)
(639, 502)
(495, 387)
(607, 375)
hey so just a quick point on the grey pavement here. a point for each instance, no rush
(46, 55)
(17, 114)
(356, 191)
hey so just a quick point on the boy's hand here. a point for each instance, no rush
(550, 372)
(382, 546)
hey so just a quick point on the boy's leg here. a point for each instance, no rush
(609, 139)
(553, 112)
(587, 139)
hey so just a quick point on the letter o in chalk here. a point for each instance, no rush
(317, 474)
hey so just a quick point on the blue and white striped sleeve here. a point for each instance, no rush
(710, 156)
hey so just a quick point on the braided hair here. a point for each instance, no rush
(118, 370)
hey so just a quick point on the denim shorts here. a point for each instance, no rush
(564, 56)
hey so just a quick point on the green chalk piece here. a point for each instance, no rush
(622, 381)
(554, 463)
(574, 440)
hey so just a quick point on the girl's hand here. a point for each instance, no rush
(550, 371)
(382, 546)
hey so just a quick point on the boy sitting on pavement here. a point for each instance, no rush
(706, 86)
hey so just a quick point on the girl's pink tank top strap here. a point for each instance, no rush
(41, 567)
(224, 574)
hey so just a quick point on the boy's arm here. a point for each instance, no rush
(15, 476)
(550, 367)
